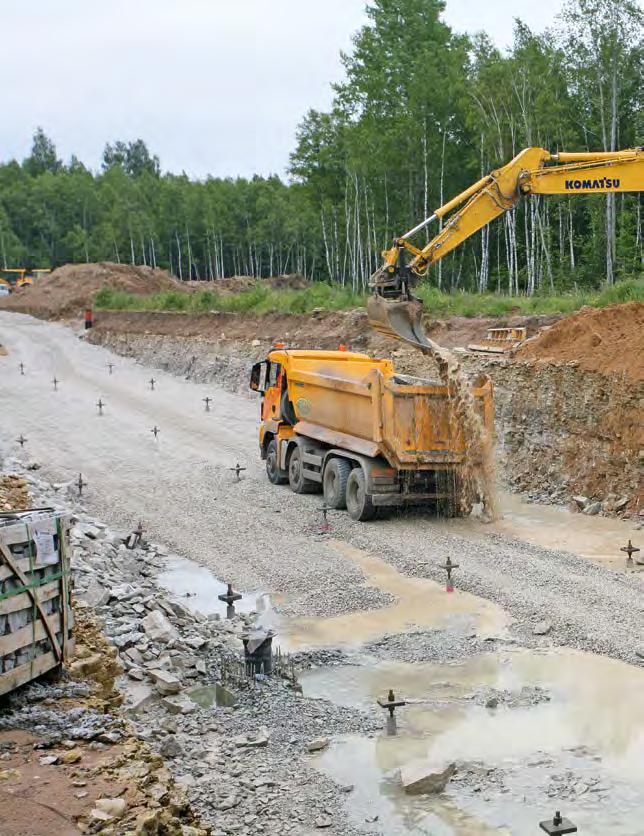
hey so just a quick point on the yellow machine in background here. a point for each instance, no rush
(348, 425)
(394, 311)
(500, 340)
(15, 277)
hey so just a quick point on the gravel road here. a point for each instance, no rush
(251, 533)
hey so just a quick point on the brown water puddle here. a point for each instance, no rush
(592, 726)
(552, 527)
(419, 603)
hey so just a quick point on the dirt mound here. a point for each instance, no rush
(71, 288)
(238, 284)
(289, 281)
(607, 340)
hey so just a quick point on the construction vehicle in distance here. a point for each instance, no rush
(394, 311)
(349, 426)
(17, 277)
(500, 340)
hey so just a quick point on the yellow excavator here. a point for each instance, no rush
(15, 277)
(394, 311)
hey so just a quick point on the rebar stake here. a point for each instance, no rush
(325, 528)
(135, 537)
(630, 550)
(81, 484)
(152, 381)
(55, 382)
(229, 596)
(449, 568)
(237, 469)
(155, 431)
(207, 401)
(22, 369)
(558, 826)
(21, 440)
(100, 404)
(391, 703)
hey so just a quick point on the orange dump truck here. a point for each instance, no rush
(348, 425)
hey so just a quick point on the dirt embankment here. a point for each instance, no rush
(320, 329)
(609, 340)
(71, 288)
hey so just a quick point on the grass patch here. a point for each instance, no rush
(262, 299)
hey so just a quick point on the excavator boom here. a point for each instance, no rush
(393, 310)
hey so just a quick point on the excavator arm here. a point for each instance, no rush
(533, 171)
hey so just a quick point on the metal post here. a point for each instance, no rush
(449, 568)
(630, 550)
(237, 470)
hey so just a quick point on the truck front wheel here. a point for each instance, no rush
(334, 483)
(275, 474)
(359, 503)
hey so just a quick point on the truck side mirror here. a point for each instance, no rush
(258, 377)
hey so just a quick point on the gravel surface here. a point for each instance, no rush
(251, 533)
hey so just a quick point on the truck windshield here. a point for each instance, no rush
(273, 373)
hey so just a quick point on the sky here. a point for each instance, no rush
(213, 86)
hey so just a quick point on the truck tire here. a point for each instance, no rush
(275, 474)
(359, 502)
(334, 483)
(296, 478)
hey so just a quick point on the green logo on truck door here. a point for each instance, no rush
(303, 407)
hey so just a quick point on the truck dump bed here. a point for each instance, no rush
(354, 402)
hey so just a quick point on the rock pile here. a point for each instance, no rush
(241, 748)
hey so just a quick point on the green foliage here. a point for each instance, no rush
(262, 299)
(259, 299)
(133, 157)
(421, 113)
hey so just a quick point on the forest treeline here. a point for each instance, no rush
(422, 113)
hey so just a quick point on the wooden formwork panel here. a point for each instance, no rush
(36, 618)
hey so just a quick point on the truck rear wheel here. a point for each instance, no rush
(359, 503)
(275, 474)
(296, 478)
(334, 483)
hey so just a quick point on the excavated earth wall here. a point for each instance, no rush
(562, 431)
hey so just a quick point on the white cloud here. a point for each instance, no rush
(213, 86)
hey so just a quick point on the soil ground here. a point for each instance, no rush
(70, 289)
(609, 340)
(334, 589)
(181, 486)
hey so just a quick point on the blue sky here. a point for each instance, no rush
(213, 86)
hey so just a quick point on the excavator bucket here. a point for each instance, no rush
(401, 320)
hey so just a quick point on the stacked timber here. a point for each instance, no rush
(36, 618)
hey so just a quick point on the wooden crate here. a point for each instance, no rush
(36, 618)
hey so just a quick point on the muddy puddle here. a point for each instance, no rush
(419, 602)
(567, 733)
(553, 527)
(198, 589)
